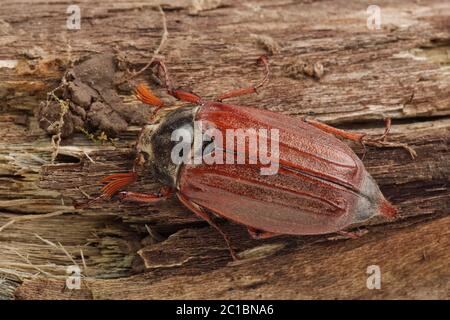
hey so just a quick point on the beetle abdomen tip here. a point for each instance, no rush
(387, 209)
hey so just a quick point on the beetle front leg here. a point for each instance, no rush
(164, 193)
(249, 90)
(363, 138)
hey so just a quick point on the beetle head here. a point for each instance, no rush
(144, 151)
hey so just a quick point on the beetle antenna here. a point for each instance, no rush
(115, 182)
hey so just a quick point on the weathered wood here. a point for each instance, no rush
(399, 71)
(413, 261)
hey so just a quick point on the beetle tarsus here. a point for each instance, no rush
(89, 203)
(352, 234)
(164, 193)
(249, 90)
(379, 143)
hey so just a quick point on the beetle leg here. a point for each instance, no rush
(179, 94)
(243, 91)
(164, 193)
(354, 136)
(260, 234)
(363, 138)
(352, 234)
(349, 234)
(87, 204)
(381, 141)
(199, 212)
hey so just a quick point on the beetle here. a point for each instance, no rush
(321, 185)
